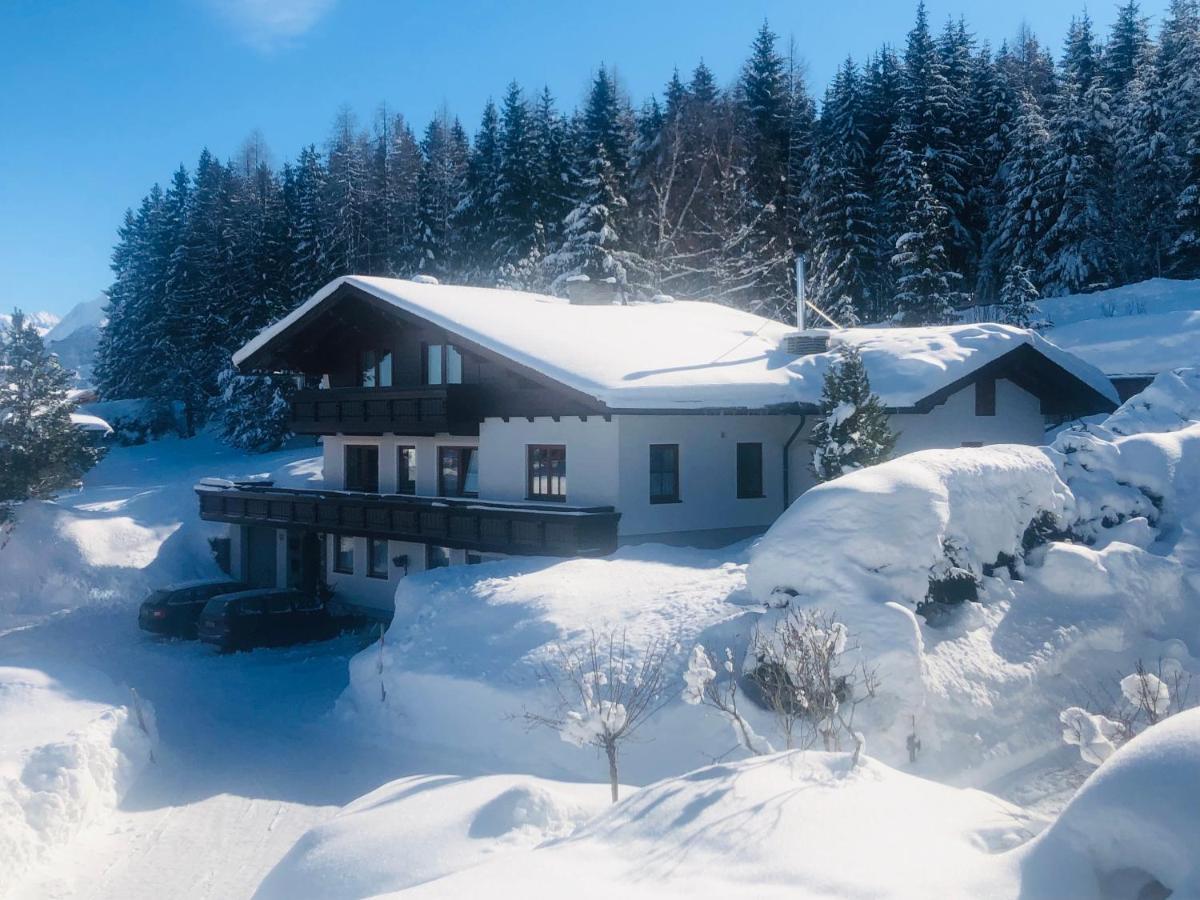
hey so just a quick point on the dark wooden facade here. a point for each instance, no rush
(446, 409)
(490, 527)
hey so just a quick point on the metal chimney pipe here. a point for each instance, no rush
(801, 300)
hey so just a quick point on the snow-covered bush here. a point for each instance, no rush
(853, 430)
(1144, 699)
(606, 690)
(703, 686)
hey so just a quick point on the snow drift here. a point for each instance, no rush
(63, 762)
(418, 829)
(787, 825)
(1083, 556)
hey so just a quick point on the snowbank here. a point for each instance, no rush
(1137, 344)
(64, 761)
(132, 526)
(788, 825)
(1134, 822)
(464, 656)
(984, 683)
(1155, 295)
(422, 828)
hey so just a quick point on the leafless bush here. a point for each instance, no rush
(802, 678)
(606, 690)
(704, 686)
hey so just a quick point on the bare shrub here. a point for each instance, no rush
(802, 677)
(606, 690)
(704, 686)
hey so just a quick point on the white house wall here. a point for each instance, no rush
(592, 478)
(708, 509)
(1018, 420)
(427, 474)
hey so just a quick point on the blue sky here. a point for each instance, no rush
(99, 99)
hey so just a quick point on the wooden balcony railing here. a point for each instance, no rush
(444, 409)
(525, 529)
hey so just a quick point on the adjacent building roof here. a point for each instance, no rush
(688, 355)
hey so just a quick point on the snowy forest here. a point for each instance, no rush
(929, 178)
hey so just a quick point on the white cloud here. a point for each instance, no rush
(270, 24)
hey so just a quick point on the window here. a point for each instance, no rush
(432, 366)
(985, 397)
(436, 557)
(547, 472)
(249, 606)
(377, 558)
(362, 468)
(458, 472)
(749, 471)
(406, 470)
(375, 368)
(664, 473)
(343, 554)
(442, 364)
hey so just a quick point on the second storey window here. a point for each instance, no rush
(441, 364)
(547, 472)
(406, 470)
(343, 554)
(985, 397)
(362, 468)
(375, 368)
(749, 471)
(458, 472)
(664, 473)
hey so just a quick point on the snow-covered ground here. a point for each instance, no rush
(1138, 329)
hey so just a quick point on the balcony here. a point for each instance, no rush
(522, 529)
(444, 409)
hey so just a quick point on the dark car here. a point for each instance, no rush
(175, 610)
(267, 617)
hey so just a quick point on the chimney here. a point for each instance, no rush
(584, 291)
(801, 299)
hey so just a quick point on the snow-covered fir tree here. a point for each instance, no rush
(927, 290)
(1022, 223)
(41, 450)
(853, 430)
(1018, 299)
(253, 411)
(1185, 251)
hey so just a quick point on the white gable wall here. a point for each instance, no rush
(1018, 420)
(591, 457)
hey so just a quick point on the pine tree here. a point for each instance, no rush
(41, 450)
(311, 266)
(1127, 43)
(443, 188)
(517, 184)
(1018, 299)
(926, 292)
(853, 431)
(1185, 251)
(253, 411)
(1022, 224)
(477, 216)
(844, 238)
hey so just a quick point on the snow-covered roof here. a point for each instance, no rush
(687, 354)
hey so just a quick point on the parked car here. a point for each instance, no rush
(175, 609)
(266, 617)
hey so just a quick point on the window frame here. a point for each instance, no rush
(985, 397)
(446, 355)
(346, 453)
(401, 467)
(381, 361)
(532, 450)
(464, 455)
(660, 498)
(756, 490)
(372, 572)
(337, 554)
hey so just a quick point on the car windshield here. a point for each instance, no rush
(218, 606)
(157, 596)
